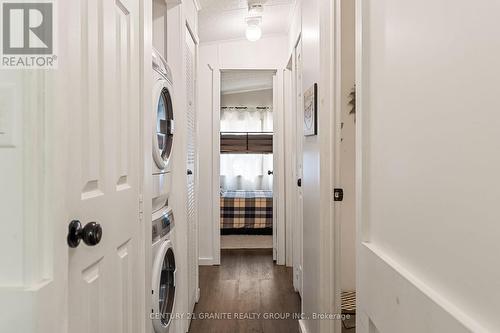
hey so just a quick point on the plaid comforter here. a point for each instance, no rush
(246, 209)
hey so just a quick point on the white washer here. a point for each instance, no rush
(164, 271)
(163, 131)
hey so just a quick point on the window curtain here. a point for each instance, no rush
(251, 119)
(246, 171)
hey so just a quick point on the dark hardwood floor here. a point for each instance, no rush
(247, 283)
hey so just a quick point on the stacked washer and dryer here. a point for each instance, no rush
(163, 243)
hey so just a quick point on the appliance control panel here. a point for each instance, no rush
(162, 225)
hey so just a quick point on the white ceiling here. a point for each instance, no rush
(225, 19)
(246, 80)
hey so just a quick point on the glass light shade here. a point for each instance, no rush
(253, 32)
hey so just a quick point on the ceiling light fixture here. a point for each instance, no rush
(253, 20)
(253, 32)
(255, 9)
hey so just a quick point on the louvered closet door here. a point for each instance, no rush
(190, 57)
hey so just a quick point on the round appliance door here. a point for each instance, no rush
(163, 131)
(164, 271)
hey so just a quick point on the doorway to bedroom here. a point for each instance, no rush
(246, 159)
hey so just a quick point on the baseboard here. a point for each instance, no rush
(207, 262)
(302, 326)
(197, 294)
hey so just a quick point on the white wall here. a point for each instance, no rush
(160, 26)
(249, 98)
(310, 29)
(295, 28)
(430, 166)
(267, 53)
(317, 31)
(191, 11)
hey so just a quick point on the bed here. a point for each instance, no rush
(246, 212)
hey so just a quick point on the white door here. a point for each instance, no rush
(103, 61)
(192, 218)
(297, 66)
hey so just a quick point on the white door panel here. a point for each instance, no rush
(104, 155)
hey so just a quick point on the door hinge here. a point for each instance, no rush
(338, 194)
(141, 207)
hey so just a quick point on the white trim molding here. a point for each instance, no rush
(216, 163)
(302, 326)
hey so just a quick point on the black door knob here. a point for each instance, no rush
(91, 233)
(189, 172)
(299, 182)
(269, 172)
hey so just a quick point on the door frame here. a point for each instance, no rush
(330, 98)
(294, 223)
(193, 35)
(362, 232)
(332, 49)
(290, 159)
(278, 153)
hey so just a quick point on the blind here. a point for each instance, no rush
(246, 142)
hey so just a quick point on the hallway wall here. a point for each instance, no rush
(160, 27)
(306, 21)
(431, 156)
(314, 21)
(268, 53)
(311, 169)
(250, 98)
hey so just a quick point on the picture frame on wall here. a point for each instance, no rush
(311, 111)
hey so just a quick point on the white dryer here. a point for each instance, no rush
(163, 130)
(164, 270)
